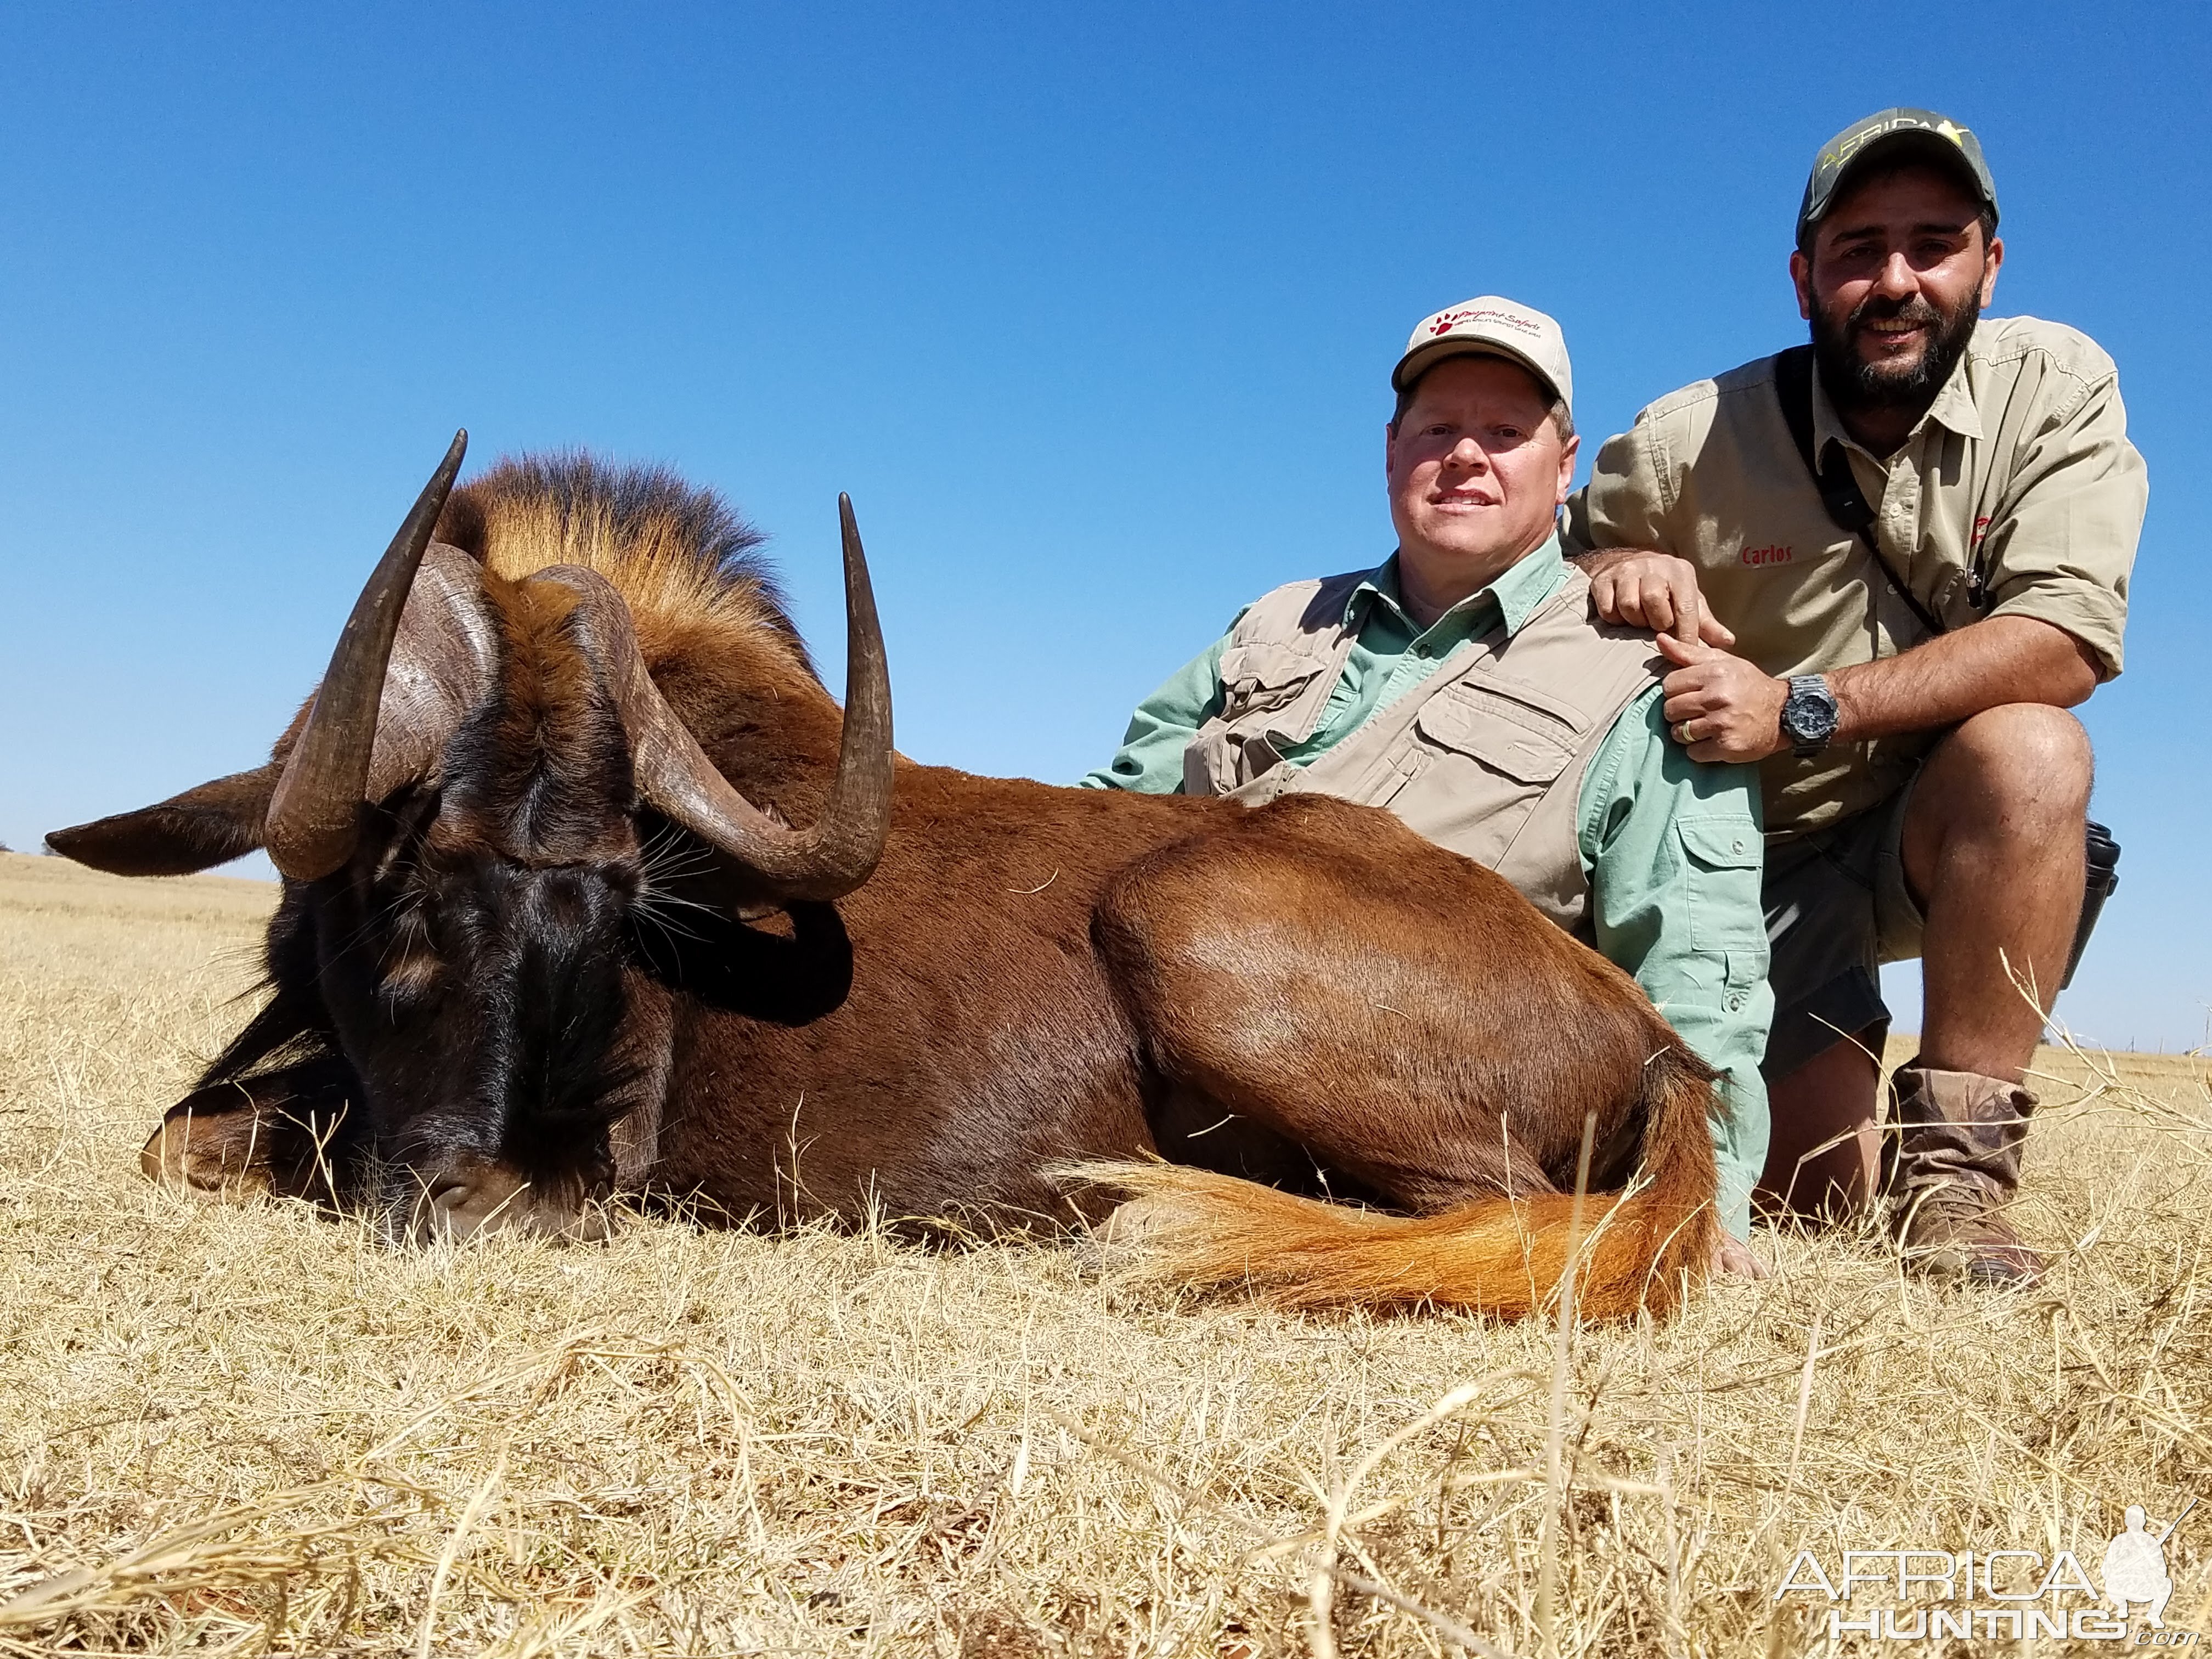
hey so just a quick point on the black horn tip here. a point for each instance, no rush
(849, 529)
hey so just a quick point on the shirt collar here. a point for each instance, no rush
(1954, 409)
(1517, 594)
(1954, 405)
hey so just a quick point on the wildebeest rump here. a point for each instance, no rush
(548, 934)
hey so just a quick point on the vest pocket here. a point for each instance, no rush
(1235, 747)
(1483, 763)
(1259, 679)
(1504, 734)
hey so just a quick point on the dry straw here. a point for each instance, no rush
(247, 1430)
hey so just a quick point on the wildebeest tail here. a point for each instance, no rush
(1505, 1256)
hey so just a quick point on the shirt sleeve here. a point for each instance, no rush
(2063, 539)
(1627, 502)
(1150, 759)
(1674, 855)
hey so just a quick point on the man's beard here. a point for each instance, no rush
(1853, 384)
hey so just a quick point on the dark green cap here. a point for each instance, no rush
(1941, 138)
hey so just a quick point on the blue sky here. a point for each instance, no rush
(1091, 309)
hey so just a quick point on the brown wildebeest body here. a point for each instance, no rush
(1007, 980)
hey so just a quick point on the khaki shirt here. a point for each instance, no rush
(2022, 464)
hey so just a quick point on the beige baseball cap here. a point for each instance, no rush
(1490, 326)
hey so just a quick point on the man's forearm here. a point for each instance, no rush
(1725, 707)
(2001, 659)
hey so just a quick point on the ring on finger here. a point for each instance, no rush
(1682, 732)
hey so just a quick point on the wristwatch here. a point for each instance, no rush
(1808, 714)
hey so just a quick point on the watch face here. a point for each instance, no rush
(1810, 714)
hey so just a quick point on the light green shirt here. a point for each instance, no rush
(1690, 933)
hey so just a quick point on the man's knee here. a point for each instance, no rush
(2021, 766)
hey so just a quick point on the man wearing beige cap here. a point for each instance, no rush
(1465, 684)
(1894, 557)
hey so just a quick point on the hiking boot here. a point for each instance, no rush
(1949, 1170)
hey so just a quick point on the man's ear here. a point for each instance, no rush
(1800, 278)
(202, 827)
(1568, 451)
(1389, 451)
(1990, 262)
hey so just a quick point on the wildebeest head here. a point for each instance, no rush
(462, 815)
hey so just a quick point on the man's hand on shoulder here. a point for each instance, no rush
(1718, 707)
(1644, 589)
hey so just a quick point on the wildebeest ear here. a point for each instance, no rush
(209, 825)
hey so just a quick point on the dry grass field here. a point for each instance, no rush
(251, 1429)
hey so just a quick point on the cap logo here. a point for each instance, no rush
(1850, 144)
(1445, 322)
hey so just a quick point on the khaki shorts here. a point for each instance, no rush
(1836, 908)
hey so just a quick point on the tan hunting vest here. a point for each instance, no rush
(1485, 757)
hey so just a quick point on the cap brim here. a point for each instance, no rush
(1414, 364)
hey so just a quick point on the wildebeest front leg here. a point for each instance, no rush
(1326, 973)
(234, 1141)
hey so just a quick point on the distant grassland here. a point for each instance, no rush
(250, 1429)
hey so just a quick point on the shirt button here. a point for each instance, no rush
(1892, 586)
(1736, 1002)
(1735, 846)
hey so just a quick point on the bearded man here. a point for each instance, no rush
(1893, 562)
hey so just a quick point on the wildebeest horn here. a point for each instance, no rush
(314, 818)
(675, 776)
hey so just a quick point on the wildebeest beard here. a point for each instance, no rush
(1854, 384)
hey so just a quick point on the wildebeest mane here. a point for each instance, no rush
(681, 557)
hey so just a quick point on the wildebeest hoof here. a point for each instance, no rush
(1120, 1241)
(226, 1144)
(1133, 1224)
(206, 1159)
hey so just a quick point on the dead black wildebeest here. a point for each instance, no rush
(549, 935)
